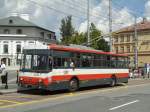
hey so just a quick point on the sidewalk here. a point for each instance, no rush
(12, 68)
(12, 88)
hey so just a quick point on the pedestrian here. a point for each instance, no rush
(148, 74)
(142, 73)
(3, 66)
(0, 69)
(131, 73)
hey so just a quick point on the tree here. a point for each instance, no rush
(67, 30)
(103, 45)
(96, 39)
(95, 34)
(78, 38)
(70, 36)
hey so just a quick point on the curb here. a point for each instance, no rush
(8, 91)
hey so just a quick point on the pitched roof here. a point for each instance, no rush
(18, 21)
(15, 21)
(144, 25)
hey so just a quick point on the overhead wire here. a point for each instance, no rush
(118, 5)
(96, 16)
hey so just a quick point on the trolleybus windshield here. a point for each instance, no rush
(36, 62)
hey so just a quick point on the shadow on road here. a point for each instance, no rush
(57, 92)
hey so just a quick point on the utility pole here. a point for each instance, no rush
(110, 24)
(88, 22)
(136, 44)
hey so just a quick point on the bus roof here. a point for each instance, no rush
(82, 49)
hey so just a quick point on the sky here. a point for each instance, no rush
(48, 13)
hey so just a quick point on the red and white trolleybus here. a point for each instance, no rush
(71, 67)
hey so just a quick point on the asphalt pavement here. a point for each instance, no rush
(133, 97)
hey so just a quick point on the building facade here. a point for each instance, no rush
(124, 41)
(15, 33)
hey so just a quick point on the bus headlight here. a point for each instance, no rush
(21, 79)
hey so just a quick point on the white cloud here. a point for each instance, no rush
(147, 11)
(121, 18)
(46, 13)
(83, 27)
(51, 17)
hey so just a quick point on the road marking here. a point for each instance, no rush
(129, 103)
(71, 94)
(35, 101)
(68, 95)
(10, 101)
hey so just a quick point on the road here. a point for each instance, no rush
(134, 97)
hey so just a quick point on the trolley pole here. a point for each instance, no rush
(136, 44)
(88, 22)
(110, 24)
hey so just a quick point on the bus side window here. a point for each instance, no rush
(65, 62)
(50, 62)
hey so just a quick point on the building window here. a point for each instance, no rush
(42, 34)
(5, 48)
(31, 42)
(18, 42)
(18, 49)
(19, 31)
(54, 37)
(10, 21)
(116, 39)
(49, 36)
(5, 41)
(128, 49)
(6, 31)
(128, 38)
(122, 38)
(122, 49)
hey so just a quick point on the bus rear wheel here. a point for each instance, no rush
(73, 85)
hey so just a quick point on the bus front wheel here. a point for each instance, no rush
(73, 85)
(113, 82)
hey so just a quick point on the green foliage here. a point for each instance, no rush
(66, 29)
(69, 36)
(78, 39)
(102, 44)
(97, 41)
(94, 34)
